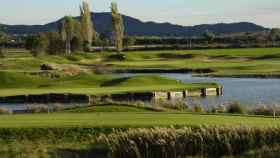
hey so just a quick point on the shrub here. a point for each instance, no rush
(198, 108)
(37, 109)
(219, 109)
(58, 107)
(236, 108)
(266, 111)
(74, 57)
(47, 67)
(4, 110)
(174, 104)
(118, 57)
(140, 104)
(262, 110)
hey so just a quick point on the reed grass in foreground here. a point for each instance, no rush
(180, 143)
(201, 142)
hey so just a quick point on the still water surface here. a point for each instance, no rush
(249, 91)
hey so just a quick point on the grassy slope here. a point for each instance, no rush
(253, 61)
(258, 61)
(226, 62)
(19, 84)
(131, 119)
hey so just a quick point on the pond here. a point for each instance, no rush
(22, 107)
(248, 91)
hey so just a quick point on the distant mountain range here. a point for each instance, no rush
(135, 26)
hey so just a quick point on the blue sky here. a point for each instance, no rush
(184, 12)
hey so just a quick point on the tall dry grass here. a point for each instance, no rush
(181, 143)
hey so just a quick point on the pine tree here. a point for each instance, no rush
(88, 32)
(118, 27)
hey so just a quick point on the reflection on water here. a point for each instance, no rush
(249, 91)
(20, 107)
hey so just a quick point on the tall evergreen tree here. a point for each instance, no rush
(87, 26)
(118, 27)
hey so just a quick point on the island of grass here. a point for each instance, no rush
(15, 83)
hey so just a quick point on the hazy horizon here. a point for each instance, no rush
(181, 12)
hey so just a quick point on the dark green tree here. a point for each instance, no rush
(274, 34)
(209, 36)
(104, 40)
(37, 44)
(56, 44)
(77, 42)
(3, 38)
(129, 41)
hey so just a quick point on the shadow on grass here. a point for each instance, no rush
(114, 82)
(181, 56)
(265, 57)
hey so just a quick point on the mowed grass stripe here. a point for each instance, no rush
(125, 120)
(104, 90)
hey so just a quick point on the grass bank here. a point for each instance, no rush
(15, 83)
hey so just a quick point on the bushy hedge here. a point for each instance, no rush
(236, 108)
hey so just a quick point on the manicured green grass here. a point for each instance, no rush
(131, 119)
(146, 80)
(252, 62)
(15, 83)
(101, 90)
(108, 108)
(227, 62)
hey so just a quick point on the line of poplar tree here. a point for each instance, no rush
(76, 34)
